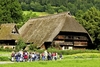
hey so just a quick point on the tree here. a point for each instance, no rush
(26, 17)
(20, 45)
(60, 10)
(63, 8)
(25, 7)
(10, 11)
(72, 8)
(36, 6)
(91, 21)
(49, 9)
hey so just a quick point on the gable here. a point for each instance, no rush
(7, 32)
(14, 30)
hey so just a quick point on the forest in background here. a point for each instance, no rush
(52, 6)
(86, 12)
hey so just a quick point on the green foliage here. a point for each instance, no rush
(32, 47)
(20, 45)
(49, 9)
(10, 11)
(66, 5)
(25, 6)
(63, 8)
(26, 17)
(60, 10)
(35, 6)
(4, 58)
(91, 21)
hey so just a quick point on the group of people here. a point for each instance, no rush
(23, 56)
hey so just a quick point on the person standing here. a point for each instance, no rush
(60, 56)
(45, 54)
(13, 56)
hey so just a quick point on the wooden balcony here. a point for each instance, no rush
(60, 37)
(80, 43)
(63, 43)
(65, 37)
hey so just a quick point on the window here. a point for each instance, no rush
(69, 37)
(14, 31)
(70, 47)
(60, 37)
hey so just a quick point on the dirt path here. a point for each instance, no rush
(5, 62)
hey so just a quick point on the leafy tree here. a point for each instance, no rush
(60, 10)
(36, 6)
(49, 9)
(10, 11)
(44, 2)
(79, 14)
(32, 47)
(63, 8)
(26, 17)
(25, 7)
(20, 45)
(72, 5)
(91, 21)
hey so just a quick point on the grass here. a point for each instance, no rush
(37, 13)
(5, 56)
(75, 60)
(4, 53)
(58, 63)
(84, 55)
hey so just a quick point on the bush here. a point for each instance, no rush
(60, 10)
(50, 11)
(20, 45)
(32, 47)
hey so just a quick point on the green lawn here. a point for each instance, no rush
(37, 13)
(4, 53)
(75, 60)
(59, 63)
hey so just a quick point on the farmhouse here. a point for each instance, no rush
(59, 30)
(8, 35)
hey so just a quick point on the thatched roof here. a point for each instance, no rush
(8, 32)
(44, 29)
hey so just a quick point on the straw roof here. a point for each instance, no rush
(44, 29)
(6, 32)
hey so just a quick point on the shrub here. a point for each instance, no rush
(20, 45)
(32, 47)
(60, 10)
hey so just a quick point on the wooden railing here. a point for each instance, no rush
(71, 37)
(64, 43)
(80, 43)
